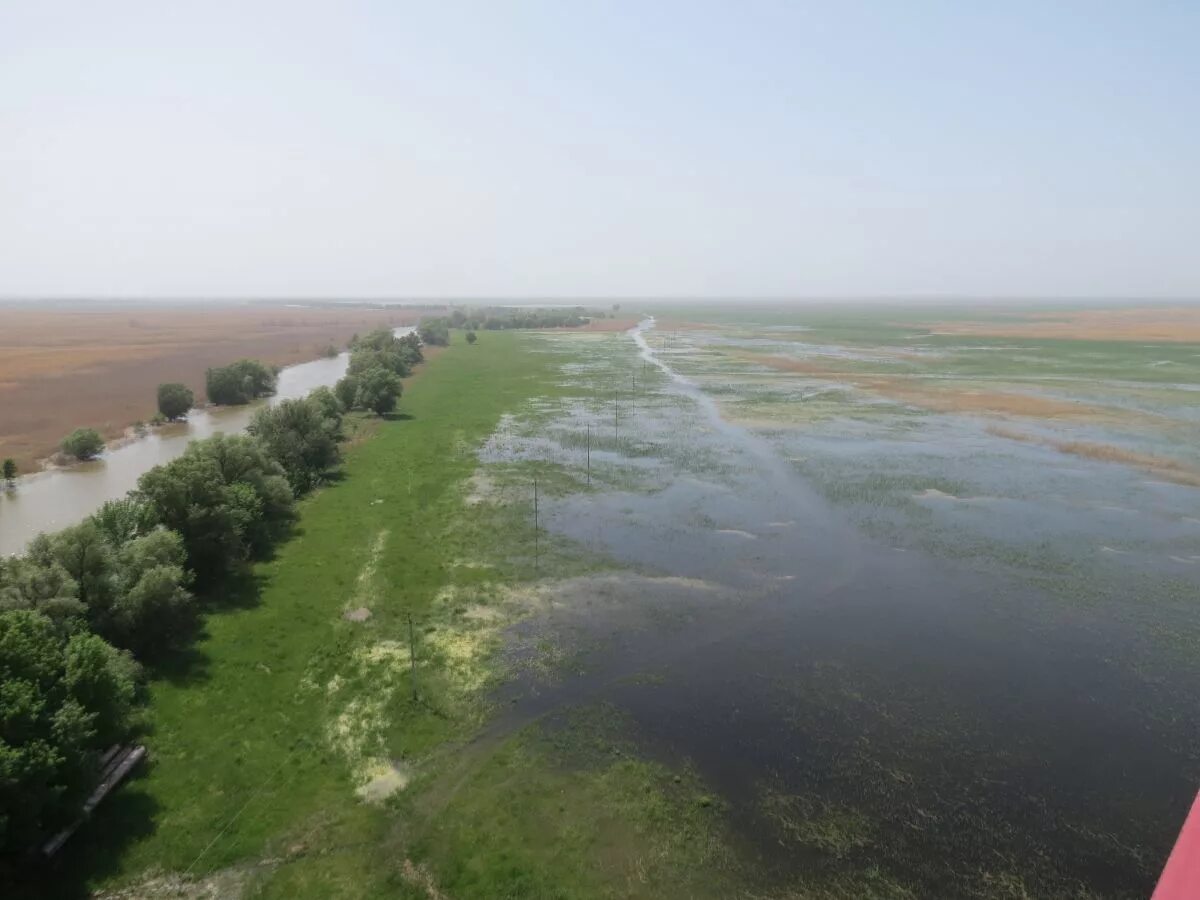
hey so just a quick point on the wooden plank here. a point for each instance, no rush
(117, 764)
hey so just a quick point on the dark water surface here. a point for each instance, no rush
(873, 717)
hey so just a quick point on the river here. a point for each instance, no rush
(57, 498)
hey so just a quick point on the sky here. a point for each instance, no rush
(599, 149)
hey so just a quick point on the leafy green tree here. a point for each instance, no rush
(378, 391)
(123, 520)
(63, 700)
(134, 593)
(174, 400)
(472, 337)
(41, 585)
(83, 443)
(382, 349)
(364, 360)
(347, 392)
(329, 404)
(434, 332)
(377, 339)
(301, 437)
(411, 343)
(9, 471)
(152, 607)
(85, 555)
(227, 499)
(239, 382)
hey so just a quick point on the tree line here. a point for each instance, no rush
(378, 360)
(497, 318)
(85, 610)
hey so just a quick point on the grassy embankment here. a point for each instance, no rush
(265, 745)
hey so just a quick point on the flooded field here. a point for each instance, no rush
(918, 609)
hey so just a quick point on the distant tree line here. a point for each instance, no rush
(497, 318)
(86, 608)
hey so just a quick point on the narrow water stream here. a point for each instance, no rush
(48, 501)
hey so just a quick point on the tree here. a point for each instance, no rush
(434, 332)
(382, 349)
(346, 391)
(85, 555)
(134, 593)
(301, 437)
(411, 344)
(9, 471)
(378, 391)
(329, 404)
(227, 499)
(239, 382)
(42, 586)
(63, 700)
(471, 337)
(151, 606)
(123, 520)
(83, 443)
(367, 358)
(174, 400)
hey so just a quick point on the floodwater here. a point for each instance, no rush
(879, 720)
(59, 498)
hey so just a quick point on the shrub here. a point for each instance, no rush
(227, 499)
(174, 400)
(302, 436)
(435, 332)
(378, 391)
(346, 391)
(471, 337)
(83, 443)
(240, 382)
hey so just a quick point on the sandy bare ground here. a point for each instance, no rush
(99, 365)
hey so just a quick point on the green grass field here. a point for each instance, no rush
(264, 741)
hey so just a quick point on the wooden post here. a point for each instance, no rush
(589, 454)
(535, 523)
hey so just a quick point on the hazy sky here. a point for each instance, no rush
(599, 148)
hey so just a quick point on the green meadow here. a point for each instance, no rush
(300, 752)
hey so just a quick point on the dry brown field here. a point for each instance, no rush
(1179, 324)
(98, 365)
